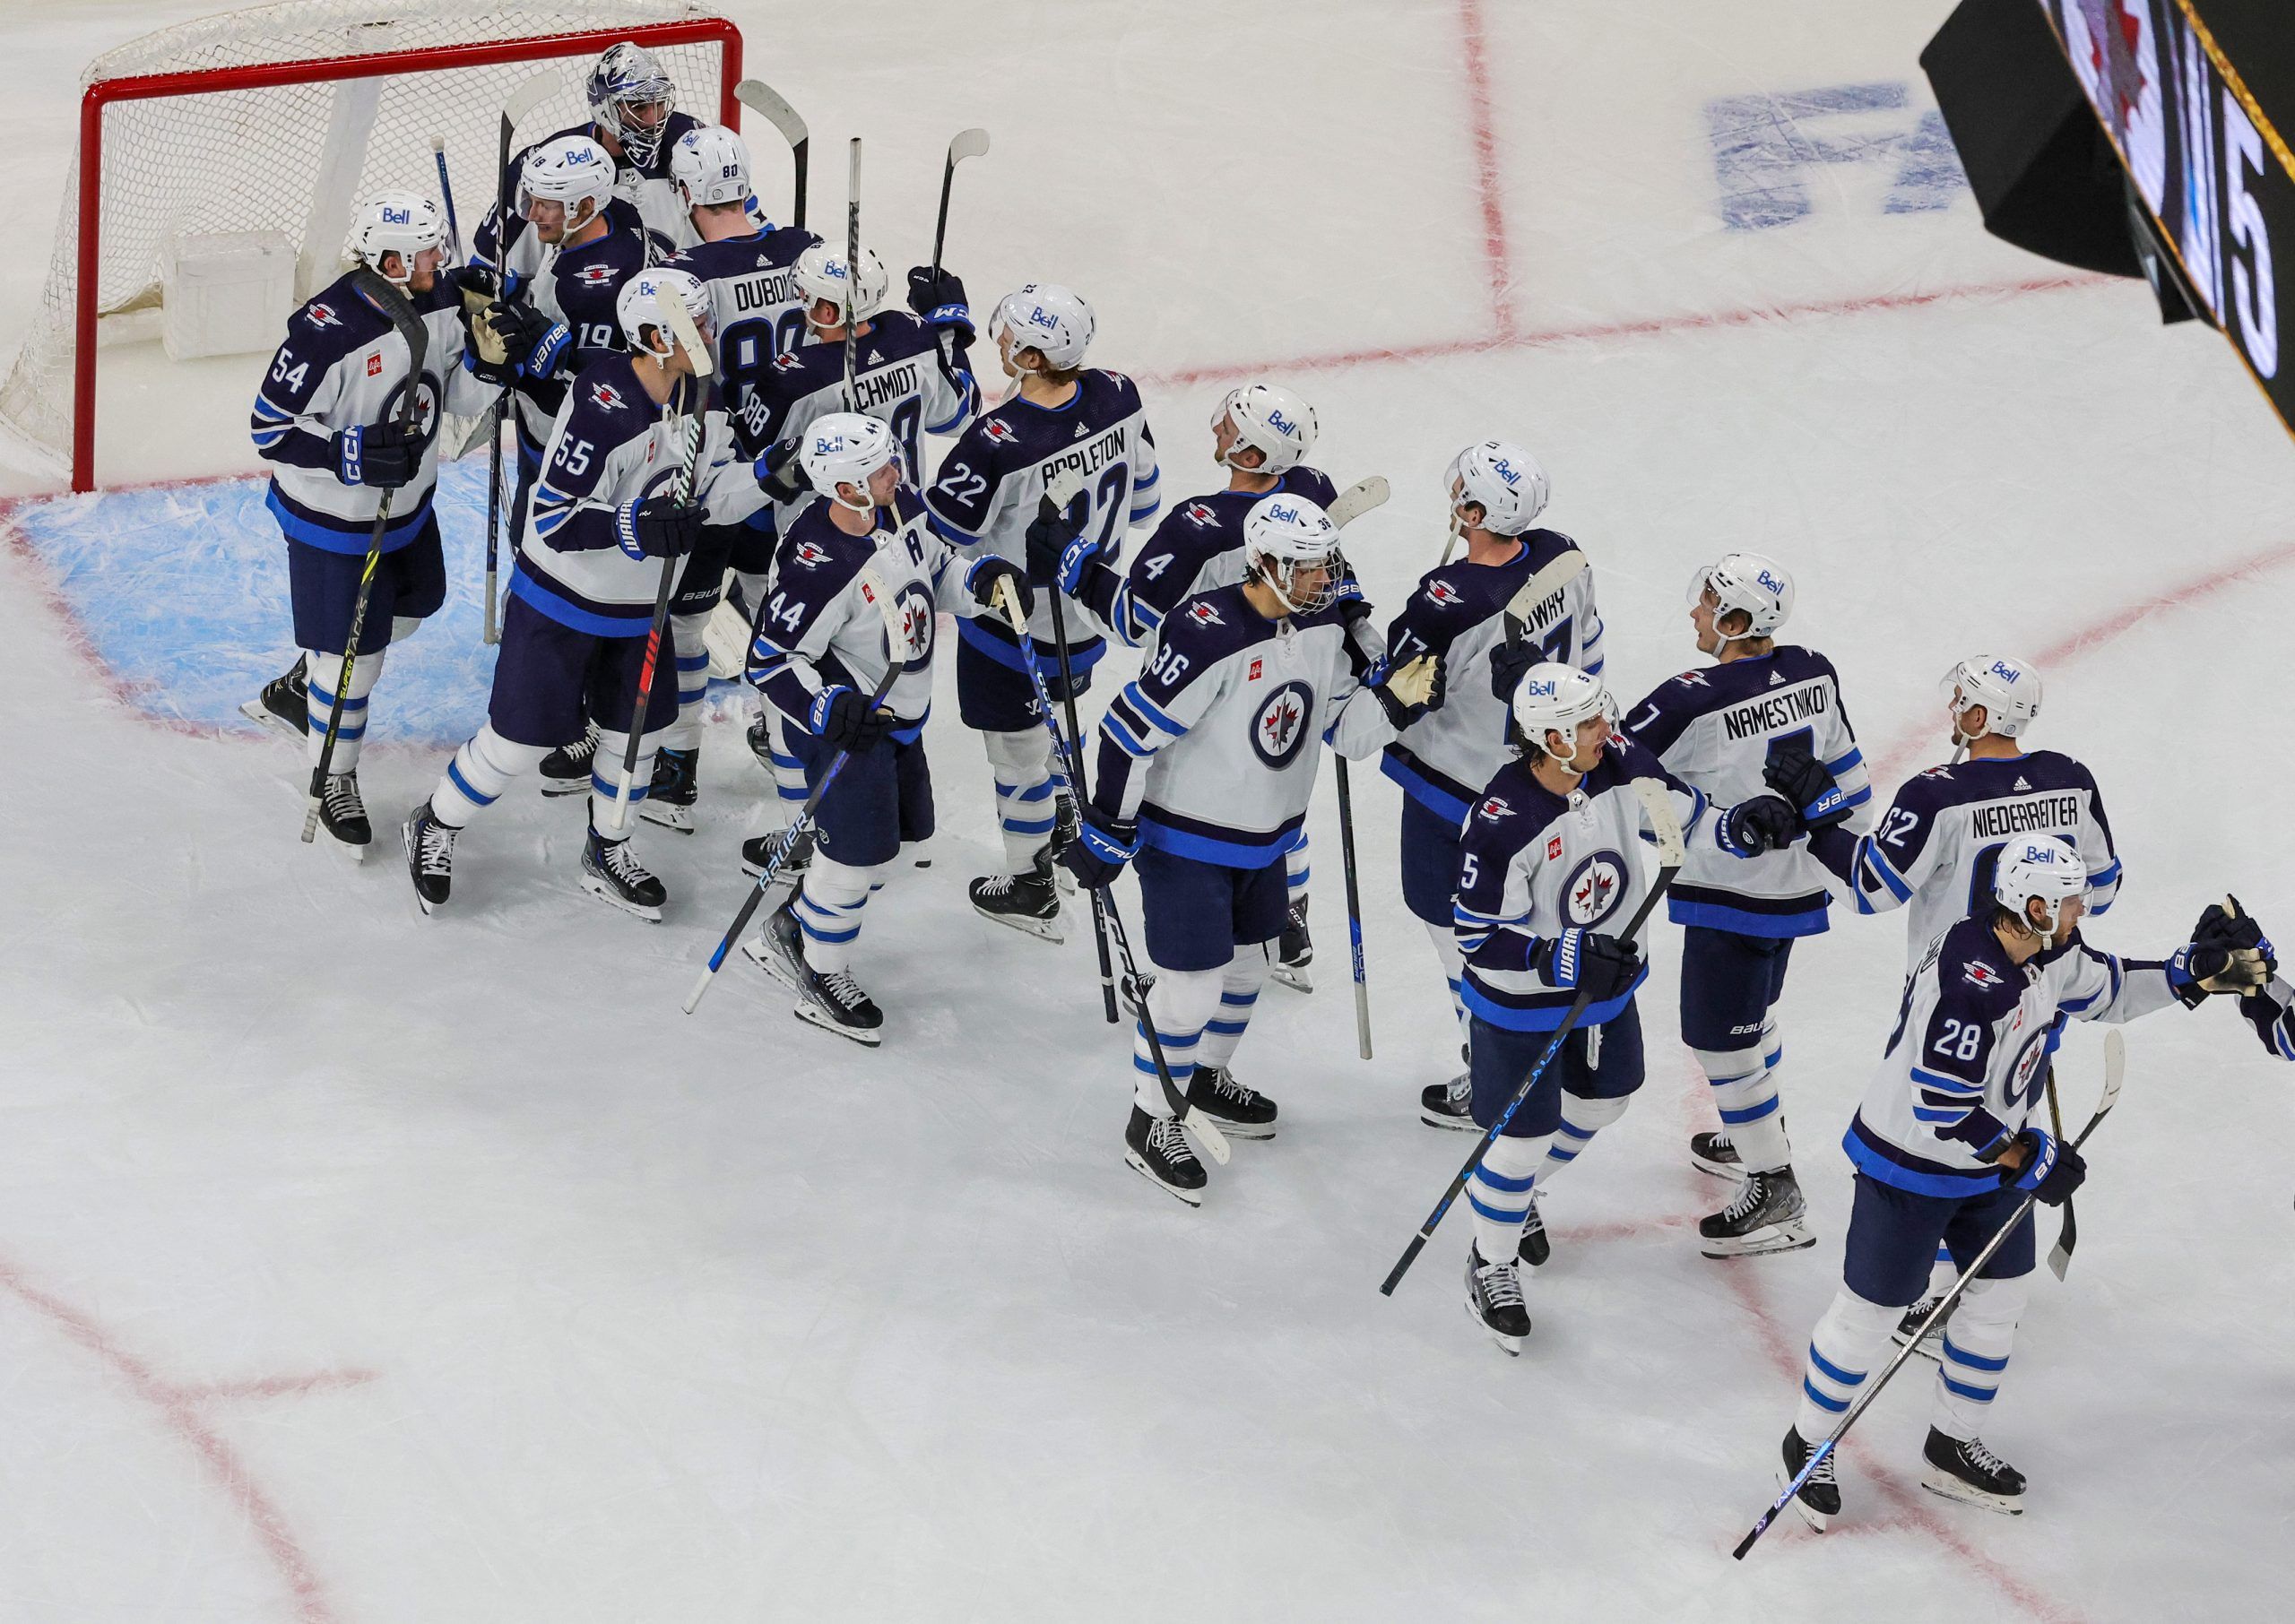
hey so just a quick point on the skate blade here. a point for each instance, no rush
(1945, 1486)
(1511, 1345)
(1457, 1125)
(352, 853)
(1777, 1238)
(565, 786)
(1138, 1163)
(679, 819)
(1238, 1130)
(1930, 1347)
(1818, 1521)
(1044, 930)
(813, 1015)
(1294, 976)
(254, 711)
(606, 894)
(1719, 1170)
(766, 957)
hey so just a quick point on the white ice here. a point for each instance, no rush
(358, 1266)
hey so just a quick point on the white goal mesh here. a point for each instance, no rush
(294, 157)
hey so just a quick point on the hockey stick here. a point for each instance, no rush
(1356, 500)
(523, 101)
(446, 196)
(770, 104)
(690, 407)
(872, 587)
(400, 312)
(1670, 853)
(1451, 541)
(968, 143)
(1536, 590)
(2060, 1258)
(1070, 755)
(1064, 488)
(852, 276)
(1348, 505)
(2115, 1067)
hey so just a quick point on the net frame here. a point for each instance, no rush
(653, 23)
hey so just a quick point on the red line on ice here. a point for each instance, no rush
(176, 1406)
(1496, 260)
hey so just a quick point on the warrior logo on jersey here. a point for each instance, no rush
(1203, 614)
(1201, 513)
(1279, 730)
(1443, 593)
(1594, 889)
(322, 315)
(810, 554)
(607, 396)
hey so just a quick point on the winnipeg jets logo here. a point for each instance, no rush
(322, 315)
(1495, 808)
(1443, 593)
(1594, 889)
(790, 362)
(1981, 974)
(594, 275)
(999, 431)
(1937, 773)
(1203, 614)
(1200, 514)
(607, 396)
(1692, 680)
(811, 555)
(1279, 728)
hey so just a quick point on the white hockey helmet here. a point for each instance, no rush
(1284, 534)
(1555, 698)
(2008, 688)
(640, 305)
(1047, 317)
(1502, 479)
(1271, 420)
(572, 170)
(1757, 585)
(2043, 866)
(710, 165)
(846, 448)
(627, 77)
(819, 273)
(403, 223)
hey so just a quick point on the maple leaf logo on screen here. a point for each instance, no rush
(2112, 35)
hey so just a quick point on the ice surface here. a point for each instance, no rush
(358, 1266)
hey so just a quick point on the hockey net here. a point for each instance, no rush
(281, 118)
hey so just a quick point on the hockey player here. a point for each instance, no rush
(1945, 1148)
(1260, 433)
(1496, 492)
(1718, 728)
(1547, 858)
(326, 419)
(634, 117)
(607, 511)
(909, 374)
(1932, 851)
(747, 271)
(1207, 762)
(983, 499)
(823, 641)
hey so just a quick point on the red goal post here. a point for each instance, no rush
(660, 25)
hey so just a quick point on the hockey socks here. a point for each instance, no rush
(1844, 1350)
(1022, 763)
(1582, 1120)
(828, 909)
(1499, 1193)
(487, 765)
(1239, 990)
(322, 672)
(1454, 970)
(1180, 1002)
(693, 681)
(1745, 1092)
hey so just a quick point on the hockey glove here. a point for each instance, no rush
(1508, 662)
(378, 455)
(1763, 824)
(659, 527)
(1803, 780)
(2229, 953)
(780, 475)
(2052, 1171)
(1102, 847)
(1406, 694)
(1050, 541)
(534, 344)
(981, 581)
(845, 720)
(938, 297)
(1602, 966)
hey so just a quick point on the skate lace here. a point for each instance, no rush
(1502, 1286)
(341, 797)
(617, 859)
(434, 849)
(1750, 1195)
(1461, 1087)
(1983, 1459)
(583, 748)
(841, 986)
(1225, 1087)
(1721, 1141)
(1167, 1139)
(1824, 1472)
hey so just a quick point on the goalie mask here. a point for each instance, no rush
(625, 84)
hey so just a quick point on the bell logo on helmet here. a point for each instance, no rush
(1278, 513)
(1544, 688)
(1279, 423)
(2004, 671)
(1505, 470)
(397, 217)
(1771, 582)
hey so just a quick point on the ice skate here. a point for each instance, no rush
(1768, 1215)
(1535, 1248)
(758, 849)
(1819, 1501)
(1028, 903)
(1713, 1153)
(565, 770)
(285, 705)
(1295, 951)
(343, 815)
(1494, 1299)
(612, 872)
(1972, 1474)
(1157, 1148)
(833, 1002)
(677, 785)
(1932, 1345)
(1237, 1112)
(1449, 1104)
(430, 857)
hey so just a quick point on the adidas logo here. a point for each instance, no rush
(1081, 431)
(1774, 679)
(2020, 787)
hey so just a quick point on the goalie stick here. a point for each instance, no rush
(2115, 1068)
(396, 308)
(1670, 853)
(872, 587)
(689, 407)
(770, 104)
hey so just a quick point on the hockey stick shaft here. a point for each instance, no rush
(1577, 1007)
(416, 337)
(446, 196)
(893, 665)
(1354, 909)
(853, 276)
(2068, 1236)
(2113, 1063)
(688, 429)
(968, 143)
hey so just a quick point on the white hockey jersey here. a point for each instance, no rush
(1966, 1066)
(1933, 851)
(1716, 728)
(342, 366)
(1213, 747)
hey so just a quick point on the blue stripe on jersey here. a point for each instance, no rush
(1900, 1170)
(1881, 866)
(1945, 1085)
(1083, 653)
(1420, 783)
(636, 622)
(1153, 714)
(1745, 921)
(1225, 848)
(343, 535)
(1842, 763)
(1542, 1011)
